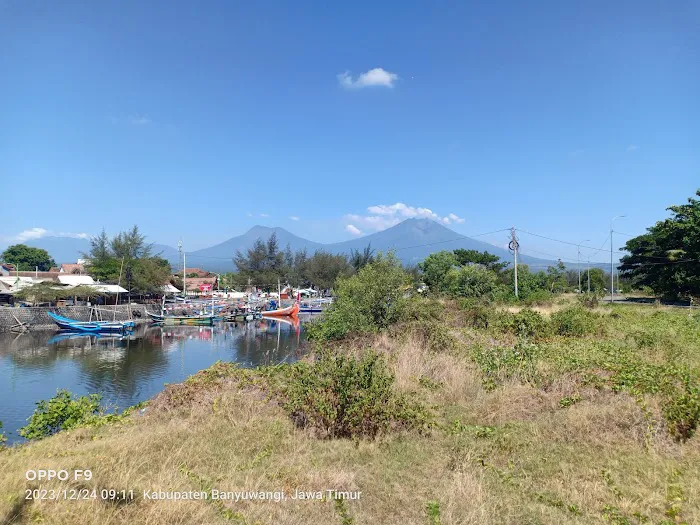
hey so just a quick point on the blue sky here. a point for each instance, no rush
(197, 120)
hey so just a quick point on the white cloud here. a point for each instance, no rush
(38, 233)
(294, 217)
(373, 77)
(632, 147)
(354, 230)
(139, 120)
(383, 216)
(264, 215)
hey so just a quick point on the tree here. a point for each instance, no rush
(323, 269)
(27, 258)
(667, 257)
(435, 268)
(556, 276)
(472, 280)
(490, 261)
(360, 259)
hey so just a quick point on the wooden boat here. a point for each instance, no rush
(290, 311)
(171, 320)
(243, 316)
(65, 323)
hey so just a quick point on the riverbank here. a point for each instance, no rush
(36, 318)
(532, 422)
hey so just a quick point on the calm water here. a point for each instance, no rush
(128, 370)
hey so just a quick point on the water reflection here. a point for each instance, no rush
(126, 370)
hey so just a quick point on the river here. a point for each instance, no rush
(126, 370)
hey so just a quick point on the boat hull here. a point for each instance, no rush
(290, 311)
(65, 323)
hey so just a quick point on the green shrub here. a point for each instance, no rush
(342, 396)
(423, 309)
(472, 280)
(575, 321)
(436, 336)
(369, 301)
(538, 298)
(499, 363)
(61, 412)
(589, 300)
(525, 323)
(2, 436)
(682, 410)
(477, 316)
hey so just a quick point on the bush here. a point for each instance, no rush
(472, 280)
(369, 301)
(477, 316)
(538, 298)
(525, 323)
(423, 309)
(2, 436)
(436, 336)
(575, 321)
(61, 412)
(682, 411)
(589, 300)
(347, 397)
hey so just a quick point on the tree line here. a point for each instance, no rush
(265, 264)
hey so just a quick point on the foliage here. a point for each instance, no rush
(435, 267)
(575, 321)
(360, 259)
(589, 300)
(368, 301)
(667, 257)
(2, 436)
(27, 258)
(127, 258)
(489, 261)
(323, 269)
(342, 396)
(525, 323)
(505, 362)
(470, 281)
(682, 409)
(61, 412)
(49, 291)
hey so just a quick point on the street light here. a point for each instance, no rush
(612, 269)
(578, 262)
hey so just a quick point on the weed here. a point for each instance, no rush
(347, 397)
(61, 412)
(501, 363)
(432, 509)
(682, 409)
(575, 322)
(341, 507)
(525, 323)
(568, 401)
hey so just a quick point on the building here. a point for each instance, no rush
(73, 268)
(198, 271)
(200, 285)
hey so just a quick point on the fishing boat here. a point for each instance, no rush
(65, 323)
(290, 311)
(171, 320)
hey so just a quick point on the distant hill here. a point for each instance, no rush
(220, 256)
(413, 240)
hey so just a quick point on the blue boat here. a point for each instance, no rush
(65, 323)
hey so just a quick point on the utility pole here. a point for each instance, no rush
(513, 245)
(612, 269)
(578, 262)
(184, 275)
(589, 276)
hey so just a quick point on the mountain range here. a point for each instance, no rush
(412, 240)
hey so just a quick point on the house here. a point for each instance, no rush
(198, 271)
(6, 268)
(73, 268)
(200, 285)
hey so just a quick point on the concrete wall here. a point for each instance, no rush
(38, 320)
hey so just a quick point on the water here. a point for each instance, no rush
(130, 369)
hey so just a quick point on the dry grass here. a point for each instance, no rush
(515, 456)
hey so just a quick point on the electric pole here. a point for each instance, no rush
(612, 269)
(589, 276)
(513, 245)
(578, 262)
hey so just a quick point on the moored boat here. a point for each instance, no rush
(290, 311)
(65, 323)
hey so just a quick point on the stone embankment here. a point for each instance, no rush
(37, 319)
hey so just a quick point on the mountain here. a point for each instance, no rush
(414, 239)
(220, 256)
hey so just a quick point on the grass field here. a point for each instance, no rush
(568, 417)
